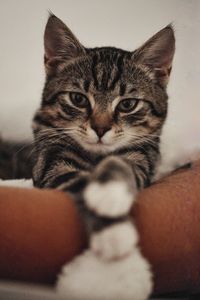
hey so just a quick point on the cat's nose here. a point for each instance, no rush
(100, 131)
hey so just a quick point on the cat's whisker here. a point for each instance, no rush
(24, 147)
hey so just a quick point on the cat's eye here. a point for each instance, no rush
(79, 100)
(127, 105)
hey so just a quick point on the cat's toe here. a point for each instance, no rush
(112, 199)
(115, 241)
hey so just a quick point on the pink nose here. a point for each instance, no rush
(100, 131)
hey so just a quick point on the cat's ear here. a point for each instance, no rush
(157, 53)
(59, 43)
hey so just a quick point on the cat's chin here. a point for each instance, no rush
(99, 147)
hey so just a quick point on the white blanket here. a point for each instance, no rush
(23, 183)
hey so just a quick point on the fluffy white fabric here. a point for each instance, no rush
(23, 183)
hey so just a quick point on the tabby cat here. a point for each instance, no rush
(98, 128)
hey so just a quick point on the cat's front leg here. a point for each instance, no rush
(112, 189)
(110, 194)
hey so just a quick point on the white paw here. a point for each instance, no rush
(115, 241)
(112, 199)
(89, 277)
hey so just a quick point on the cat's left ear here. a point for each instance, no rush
(157, 53)
(60, 44)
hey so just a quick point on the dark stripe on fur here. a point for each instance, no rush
(78, 185)
(118, 73)
(63, 178)
(86, 85)
(70, 111)
(145, 175)
(156, 112)
(52, 161)
(94, 75)
(122, 89)
(41, 120)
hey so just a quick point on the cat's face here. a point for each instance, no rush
(105, 98)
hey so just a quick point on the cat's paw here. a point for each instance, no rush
(111, 199)
(115, 241)
(89, 277)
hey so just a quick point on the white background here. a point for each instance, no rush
(126, 24)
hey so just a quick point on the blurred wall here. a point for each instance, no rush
(124, 24)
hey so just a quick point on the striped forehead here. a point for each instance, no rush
(106, 71)
(102, 72)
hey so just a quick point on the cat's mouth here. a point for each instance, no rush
(99, 146)
(99, 142)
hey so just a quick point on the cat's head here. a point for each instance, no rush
(105, 98)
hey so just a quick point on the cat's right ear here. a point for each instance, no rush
(157, 53)
(60, 44)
